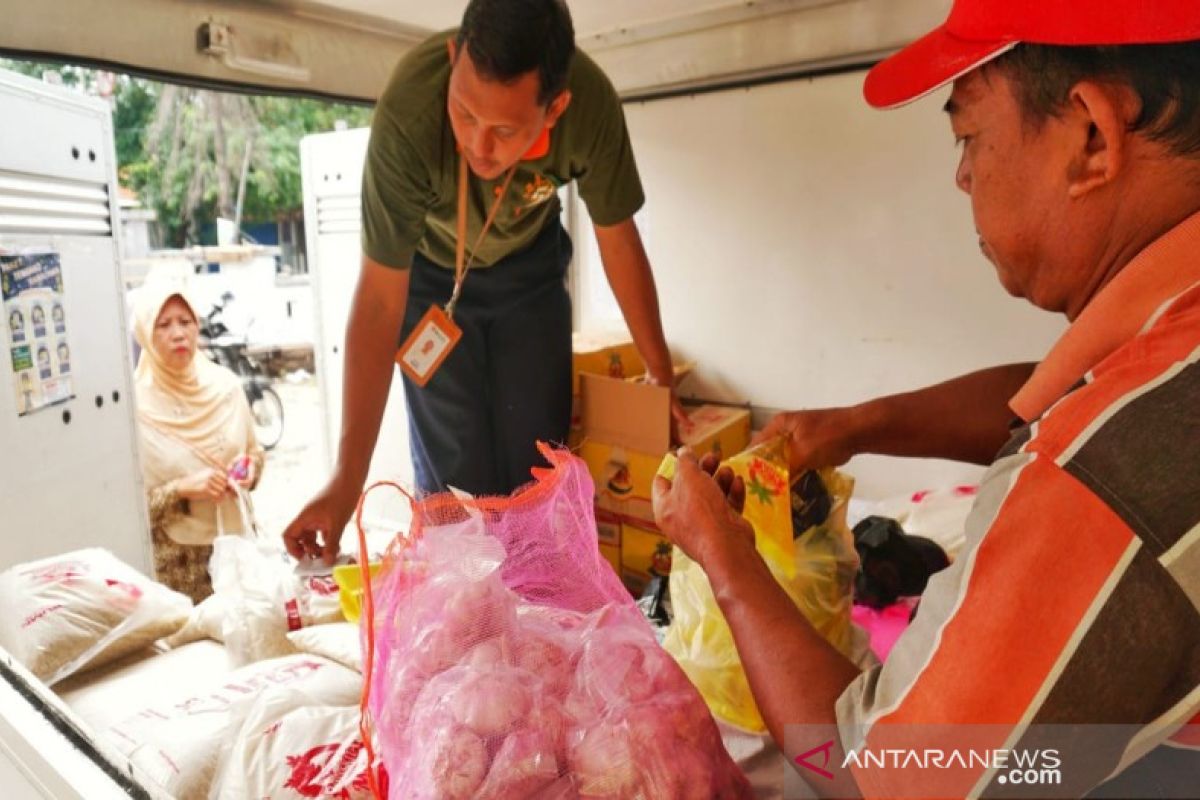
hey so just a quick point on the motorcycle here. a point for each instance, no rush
(233, 352)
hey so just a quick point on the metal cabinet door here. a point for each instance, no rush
(69, 473)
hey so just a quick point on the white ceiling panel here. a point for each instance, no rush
(347, 48)
(591, 17)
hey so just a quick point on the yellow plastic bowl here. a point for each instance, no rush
(348, 577)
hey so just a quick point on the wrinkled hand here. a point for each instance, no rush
(316, 532)
(701, 511)
(206, 484)
(731, 485)
(816, 439)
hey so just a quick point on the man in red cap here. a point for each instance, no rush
(1076, 600)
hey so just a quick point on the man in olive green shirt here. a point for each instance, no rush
(507, 91)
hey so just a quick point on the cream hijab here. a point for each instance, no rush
(190, 419)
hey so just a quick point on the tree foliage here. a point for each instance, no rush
(194, 154)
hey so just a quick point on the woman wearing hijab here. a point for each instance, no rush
(197, 440)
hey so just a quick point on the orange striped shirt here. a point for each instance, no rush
(1076, 600)
(1114, 316)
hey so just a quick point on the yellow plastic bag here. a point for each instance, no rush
(816, 569)
(768, 508)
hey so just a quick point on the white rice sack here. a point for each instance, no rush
(338, 642)
(319, 599)
(205, 622)
(178, 744)
(265, 598)
(294, 753)
(314, 601)
(68, 613)
(106, 695)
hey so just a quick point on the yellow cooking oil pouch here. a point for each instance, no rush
(801, 532)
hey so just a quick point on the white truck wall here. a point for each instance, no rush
(69, 474)
(811, 251)
(331, 174)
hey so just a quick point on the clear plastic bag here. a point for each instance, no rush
(258, 599)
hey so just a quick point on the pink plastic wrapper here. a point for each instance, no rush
(510, 663)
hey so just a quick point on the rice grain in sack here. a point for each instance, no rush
(72, 612)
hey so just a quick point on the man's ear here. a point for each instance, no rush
(557, 106)
(452, 46)
(1102, 114)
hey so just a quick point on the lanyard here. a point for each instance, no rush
(462, 263)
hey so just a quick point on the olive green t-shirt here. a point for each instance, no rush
(410, 179)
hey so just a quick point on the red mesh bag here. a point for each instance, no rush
(509, 663)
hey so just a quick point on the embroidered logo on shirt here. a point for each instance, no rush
(534, 193)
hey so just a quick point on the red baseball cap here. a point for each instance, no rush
(979, 30)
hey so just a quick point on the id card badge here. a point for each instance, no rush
(428, 345)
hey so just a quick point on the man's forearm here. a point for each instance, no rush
(964, 419)
(632, 281)
(372, 335)
(779, 648)
(796, 676)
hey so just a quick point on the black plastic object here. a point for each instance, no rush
(811, 503)
(655, 602)
(894, 563)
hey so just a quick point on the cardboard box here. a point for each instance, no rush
(644, 553)
(613, 556)
(631, 413)
(626, 433)
(609, 353)
(608, 528)
(623, 479)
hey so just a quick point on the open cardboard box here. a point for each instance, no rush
(626, 428)
(610, 353)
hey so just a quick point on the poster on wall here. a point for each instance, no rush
(31, 286)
